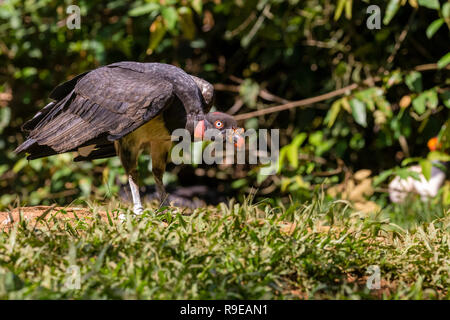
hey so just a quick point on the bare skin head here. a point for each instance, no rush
(226, 125)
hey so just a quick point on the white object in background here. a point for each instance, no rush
(400, 188)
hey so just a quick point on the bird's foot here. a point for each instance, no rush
(137, 210)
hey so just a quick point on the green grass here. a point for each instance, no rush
(318, 250)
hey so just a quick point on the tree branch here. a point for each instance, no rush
(326, 96)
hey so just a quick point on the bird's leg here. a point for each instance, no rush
(128, 157)
(137, 205)
(159, 153)
(160, 189)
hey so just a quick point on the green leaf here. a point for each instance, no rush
(187, 22)
(339, 7)
(249, 91)
(382, 177)
(170, 17)
(359, 112)
(260, 178)
(281, 159)
(197, 5)
(384, 106)
(5, 118)
(405, 173)
(239, 183)
(325, 146)
(367, 96)
(299, 139)
(431, 4)
(445, 60)
(157, 32)
(145, 9)
(333, 113)
(391, 10)
(427, 99)
(407, 161)
(426, 166)
(3, 168)
(444, 135)
(438, 156)
(445, 96)
(419, 104)
(433, 27)
(284, 184)
(446, 10)
(292, 155)
(20, 165)
(291, 150)
(348, 9)
(316, 138)
(395, 77)
(251, 124)
(414, 81)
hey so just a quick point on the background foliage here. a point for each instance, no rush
(258, 54)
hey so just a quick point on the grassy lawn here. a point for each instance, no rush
(318, 250)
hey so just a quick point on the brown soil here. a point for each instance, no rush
(31, 214)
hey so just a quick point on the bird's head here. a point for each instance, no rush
(225, 124)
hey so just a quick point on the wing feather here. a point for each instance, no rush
(107, 102)
(207, 90)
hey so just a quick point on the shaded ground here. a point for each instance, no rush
(193, 196)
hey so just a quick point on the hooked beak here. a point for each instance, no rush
(238, 138)
(199, 130)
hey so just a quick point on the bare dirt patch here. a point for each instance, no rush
(38, 214)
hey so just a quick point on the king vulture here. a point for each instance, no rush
(123, 109)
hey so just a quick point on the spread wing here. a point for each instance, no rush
(102, 105)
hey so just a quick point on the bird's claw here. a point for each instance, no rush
(137, 211)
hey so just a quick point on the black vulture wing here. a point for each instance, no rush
(97, 107)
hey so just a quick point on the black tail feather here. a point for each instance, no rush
(24, 146)
(31, 124)
(35, 150)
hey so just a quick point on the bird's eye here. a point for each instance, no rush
(218, 124)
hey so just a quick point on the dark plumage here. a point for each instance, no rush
(103, 105)
(123, 108)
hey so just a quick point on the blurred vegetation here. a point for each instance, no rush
(258, 53)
